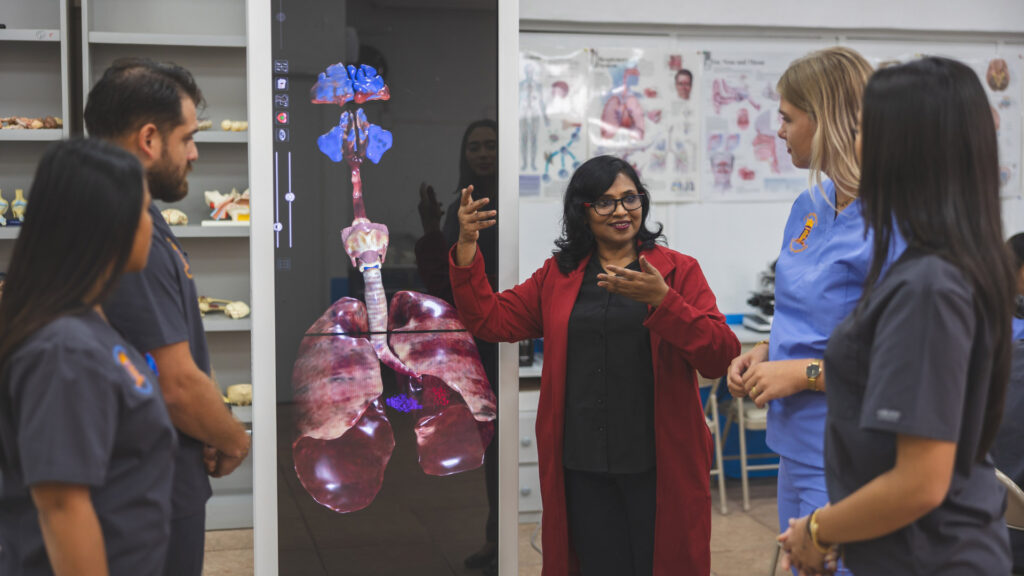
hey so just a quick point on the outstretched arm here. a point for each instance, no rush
(509, 316)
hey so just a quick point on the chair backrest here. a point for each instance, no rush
(1014, 502)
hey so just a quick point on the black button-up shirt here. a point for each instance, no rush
(609, 392)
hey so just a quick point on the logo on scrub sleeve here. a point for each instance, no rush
(184, 261)
(799, 244)
(140, 381)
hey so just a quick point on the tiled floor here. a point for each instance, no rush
(742, 544)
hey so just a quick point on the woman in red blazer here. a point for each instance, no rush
(624, 451)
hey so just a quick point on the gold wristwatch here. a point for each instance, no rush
(813, 372)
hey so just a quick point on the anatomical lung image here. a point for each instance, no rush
(345, 439)
(386, 405)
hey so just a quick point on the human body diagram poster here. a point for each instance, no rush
(636, 113)
(743, 156)
(1001, 78)
(552, 103)
(639, 104)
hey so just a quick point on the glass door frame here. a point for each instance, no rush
(261, 182)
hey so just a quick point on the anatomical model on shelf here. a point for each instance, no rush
(174, 217)
(26, 123)
(344, 437)
(18, 206)
(234, 205)
(235, 309)
(234, 125)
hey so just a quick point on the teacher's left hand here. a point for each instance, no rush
(646, 286)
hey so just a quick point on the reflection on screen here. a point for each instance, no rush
(345, 440)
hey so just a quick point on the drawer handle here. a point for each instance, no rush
(525, 441)
(525, 491)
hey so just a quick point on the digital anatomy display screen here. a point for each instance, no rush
(387, 406)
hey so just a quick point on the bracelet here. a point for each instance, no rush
(812, 529)
(765, 341)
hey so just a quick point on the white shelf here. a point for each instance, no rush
(29, 35)
(41, 135)
(218, 322)
(9, 232)
(197, 231)
(208, 40)
(222, 137)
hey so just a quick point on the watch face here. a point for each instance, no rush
(813, 370)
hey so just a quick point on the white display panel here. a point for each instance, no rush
(420, 518)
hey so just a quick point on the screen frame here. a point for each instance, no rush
(261, 177)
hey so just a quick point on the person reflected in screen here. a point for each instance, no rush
(918, 371)
(478, 167)
(86, 443)
(623, 449)
(1008, 448)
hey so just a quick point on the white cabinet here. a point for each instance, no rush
(207, 37)
(529, 476)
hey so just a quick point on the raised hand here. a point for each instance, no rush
(471, 222)
(646, 286)
(430, 209)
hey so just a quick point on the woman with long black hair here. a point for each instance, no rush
(86, 444)
(918, 371)
(623, 449)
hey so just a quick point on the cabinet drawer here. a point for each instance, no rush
(527, 438)
(529, 488)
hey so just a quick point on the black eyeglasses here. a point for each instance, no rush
(606, 206)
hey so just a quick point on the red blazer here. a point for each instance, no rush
(687, 332)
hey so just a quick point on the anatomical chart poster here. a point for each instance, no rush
(1001, 78)
(552, 114)
(635, 113)
(744, 158)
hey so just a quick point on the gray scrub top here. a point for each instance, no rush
(915, 359)
(86, 409)
(159, 307)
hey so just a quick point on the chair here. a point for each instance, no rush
(1014, 502)
(748, 418)
(711, 419)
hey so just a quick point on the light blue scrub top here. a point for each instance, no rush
(819, 278)
(1018, 328)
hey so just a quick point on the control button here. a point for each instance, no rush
(281, 66)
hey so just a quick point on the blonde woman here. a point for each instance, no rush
(819, 275)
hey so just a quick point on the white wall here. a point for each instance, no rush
(921, 15)
(735, 241)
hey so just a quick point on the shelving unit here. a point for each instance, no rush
(33, 83)
(208, 37)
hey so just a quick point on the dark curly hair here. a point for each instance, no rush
(588, 183)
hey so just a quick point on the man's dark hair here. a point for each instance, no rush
(138, 91)
(684, 72)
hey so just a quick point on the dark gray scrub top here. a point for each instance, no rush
(609, 384)
(159, 307)
(86, 410)
(1008, 449)
(915, 359)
